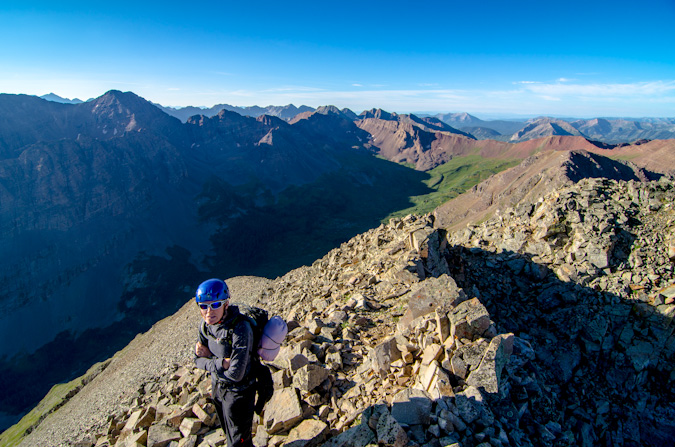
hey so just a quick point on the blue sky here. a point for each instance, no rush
(490, 58)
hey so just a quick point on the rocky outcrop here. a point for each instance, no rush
(536, 176)
(586, 276)
(549, 325)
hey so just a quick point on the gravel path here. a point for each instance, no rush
(148, 355)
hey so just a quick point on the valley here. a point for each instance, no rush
(112, 210)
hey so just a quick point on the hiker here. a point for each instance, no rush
(225, 349)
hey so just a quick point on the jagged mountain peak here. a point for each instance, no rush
(118, 102)
(117, 112)
(271, 121)
(333, 110)
(325, 110)
(378, 114)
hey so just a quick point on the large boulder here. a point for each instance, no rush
(429, 295)
(308, 433)
(383, 355)
(359, 436)
(470, 319)
(283, 411)
(411, 406)
(488, 375)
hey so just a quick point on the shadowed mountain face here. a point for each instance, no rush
(112, 212)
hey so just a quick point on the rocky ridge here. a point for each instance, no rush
(550, 324)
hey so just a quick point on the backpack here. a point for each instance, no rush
(262, 326)
(258, 318)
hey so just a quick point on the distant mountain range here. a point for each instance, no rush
(608, 130)
(283, 112)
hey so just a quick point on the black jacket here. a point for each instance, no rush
(231, 338)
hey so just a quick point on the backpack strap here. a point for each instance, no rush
(203, 332)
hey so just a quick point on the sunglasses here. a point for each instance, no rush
(214, 305)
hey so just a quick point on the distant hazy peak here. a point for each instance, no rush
(56, 98)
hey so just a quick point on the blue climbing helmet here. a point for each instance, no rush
(212, 290)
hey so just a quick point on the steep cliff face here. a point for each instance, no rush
(73, 213)
(550, 325)
(424, 142)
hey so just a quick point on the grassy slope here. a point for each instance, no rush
(452, 179)
(55, 398)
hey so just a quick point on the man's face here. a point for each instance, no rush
(211, 315)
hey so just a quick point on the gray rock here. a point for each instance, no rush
(382, 356)
(488, 375)
(390, 433)
(309, 376)
(429, 295)
(161, 435)
(472, 407)
(411, 406)
(470, 319)
(308, 433)
(283, 411)
(358, 436)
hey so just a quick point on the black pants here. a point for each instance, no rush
(235, 411)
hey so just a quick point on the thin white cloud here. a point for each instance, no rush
(357, 85)
(291, 88)
(573, 98)
(637, 89)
